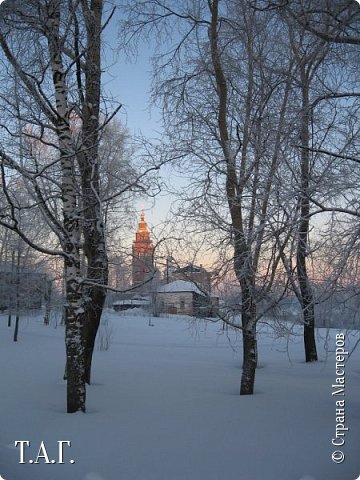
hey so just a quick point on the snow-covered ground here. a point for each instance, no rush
(164, 405)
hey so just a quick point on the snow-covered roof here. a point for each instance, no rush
(180, 286)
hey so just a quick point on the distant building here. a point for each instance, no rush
(193, 273)
(142, 254)
(183, 298)
(183, 291)
(130, 303)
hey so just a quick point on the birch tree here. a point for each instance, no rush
(51, 53)
(325, 91)
(309, 56)
(332, 22)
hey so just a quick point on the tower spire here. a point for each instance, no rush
(142, 227)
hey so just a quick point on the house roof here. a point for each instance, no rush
(180, 286)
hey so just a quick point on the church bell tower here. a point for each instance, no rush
(143, 254)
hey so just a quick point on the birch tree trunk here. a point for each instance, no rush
(242, 252)
(308, 59)
(74, 309)
(307, 298)
(93, 222)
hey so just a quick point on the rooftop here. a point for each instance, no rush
(180, 286)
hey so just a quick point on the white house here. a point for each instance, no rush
(182, 297)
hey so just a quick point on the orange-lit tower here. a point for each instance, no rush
(143, 254)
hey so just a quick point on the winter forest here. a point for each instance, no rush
(221, 343)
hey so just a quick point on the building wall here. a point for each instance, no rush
(183, 303)
(142, 268)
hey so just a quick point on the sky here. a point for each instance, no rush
(128, 78)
